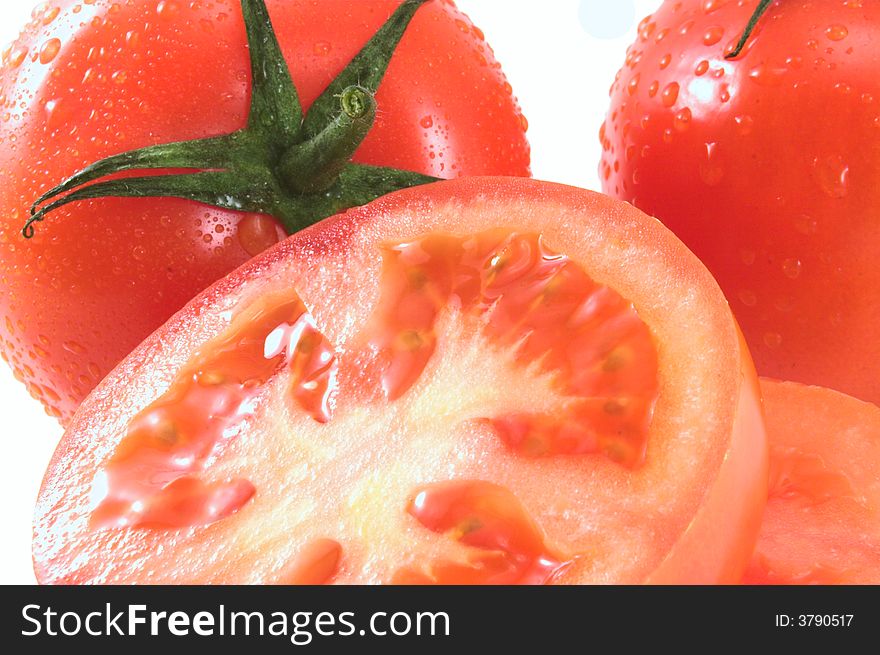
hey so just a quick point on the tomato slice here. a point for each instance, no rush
(489, 380)
(822, 522)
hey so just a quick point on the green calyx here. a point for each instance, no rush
(290, 165)
(760, 10)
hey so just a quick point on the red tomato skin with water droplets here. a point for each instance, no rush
(90, 79)
(766, 167)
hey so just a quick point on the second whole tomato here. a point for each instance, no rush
(766, 165)
(87, 80)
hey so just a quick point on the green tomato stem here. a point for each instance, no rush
(286, 164)
(761, 9)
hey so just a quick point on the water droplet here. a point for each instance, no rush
(17, 56)
(50, 50)
(748, 298)
(713, 35)
(744, 124)
(257, 233)
(832, 174)
(167, 8)
(633, 85)
(836, 32)
(710, 6)
(765, 75)
(669, 94)
(139, 253)
(747, 256)
(427, 122)
(711, 168)
(50, 14)
(792, 268)
(806, 224)
(322, 48)
(73, 347)
(772, 339)
(682, 120)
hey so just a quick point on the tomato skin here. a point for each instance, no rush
(744, 472)
(765, 166)
(699, 495)
(102, 275)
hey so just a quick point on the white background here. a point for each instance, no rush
(559, 55)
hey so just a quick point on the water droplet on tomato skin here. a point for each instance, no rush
(791, 268)
(836, 32)
(806, 225)
(257, 233)
(669, 95)
(744, 124)
(748, 298)
(682, 120)
(50, 50)
(772, 339)
(767, 75)
(832, 174)
(712, 168)
(167, 8)
(713, 35)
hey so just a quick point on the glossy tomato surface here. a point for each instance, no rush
(766, 166)
(821, 523)
(487, 380)
(89, 79)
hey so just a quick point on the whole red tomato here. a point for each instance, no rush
(766, 165)
(94, 78)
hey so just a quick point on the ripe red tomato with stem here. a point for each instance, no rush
(89, 80)
(485, 380)
(765, 164)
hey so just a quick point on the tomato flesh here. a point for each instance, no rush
(496, 398)
(821, 522)
(149, 480)
(546, 309)
(487, 517)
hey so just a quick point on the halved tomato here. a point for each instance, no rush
(822, 522)
(489, 380)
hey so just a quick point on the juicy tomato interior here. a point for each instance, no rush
(481, 381)
(821, 523)
(539, 308)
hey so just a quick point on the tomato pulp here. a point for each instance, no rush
(821, 522)
(86, 80)
(488, 380)
(765, 166)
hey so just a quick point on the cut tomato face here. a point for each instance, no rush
(822, 522)
(486, 381)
